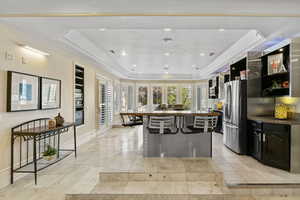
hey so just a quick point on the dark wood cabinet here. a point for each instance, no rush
(276, 145)
(213, 88)
(276, 84)
(237, 68)
(255, 139)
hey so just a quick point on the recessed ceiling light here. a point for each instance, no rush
(166, 72)
(102, 29)
(202, 54)
(123, 53)
(134, 65)
(167, 54)
(221, 29)
(281, 49)
(167, 29)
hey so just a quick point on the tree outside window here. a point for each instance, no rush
(171, 98)
(186, 97)
(157, 95)
(143, 94)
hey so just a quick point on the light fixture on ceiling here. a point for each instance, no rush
(221, 29)
(123, 53)
(35, 50)
(202, 54)
(134, 65)
(281, 49)
(167, 54)
(167, 29)
(102, 29)
(166, 72)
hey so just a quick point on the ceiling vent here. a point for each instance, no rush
(112, 51)
(211, 53)
(167, 39)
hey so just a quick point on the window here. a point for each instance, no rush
(130, 98)
(199, 98)
(202, 97)
(186, 97)
(157, 95)
(105, 104)
(171, 95)
(117, 93)
(142, 98)
(124, 99)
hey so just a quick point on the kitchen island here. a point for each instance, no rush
(180, 139)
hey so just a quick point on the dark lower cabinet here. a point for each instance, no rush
(276, 145)
(255, 139)
(219, 127)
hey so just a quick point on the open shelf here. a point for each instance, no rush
(276, 84)
(237, 68)
(42, 164)
(79, 95)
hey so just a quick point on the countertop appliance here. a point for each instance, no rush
(235, 116)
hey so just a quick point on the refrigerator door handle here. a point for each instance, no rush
(264, 137)
(231, 126)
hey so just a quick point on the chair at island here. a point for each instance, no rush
(129, 119)
(199, 124)
(162, 125)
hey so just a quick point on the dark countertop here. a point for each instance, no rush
(270, 119)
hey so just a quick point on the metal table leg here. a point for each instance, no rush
(75, 141)
(12, 159)
(34, 159)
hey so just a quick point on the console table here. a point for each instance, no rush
(33, 137)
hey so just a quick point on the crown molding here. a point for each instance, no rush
(92, 14)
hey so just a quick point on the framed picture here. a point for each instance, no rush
(22, 92)
(50, 93)
(275, 64)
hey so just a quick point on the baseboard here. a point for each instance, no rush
(81, 139)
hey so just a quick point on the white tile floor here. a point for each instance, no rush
(246, 170)
(121, 150)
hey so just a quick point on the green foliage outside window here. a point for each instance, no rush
(143, 94)
(171, 95)
(186, 97)
(157, 95)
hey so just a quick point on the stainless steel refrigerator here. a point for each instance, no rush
(235, 116)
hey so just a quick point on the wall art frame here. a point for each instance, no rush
(23, 92)
(50, 90)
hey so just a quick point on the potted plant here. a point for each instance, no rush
(50, 153)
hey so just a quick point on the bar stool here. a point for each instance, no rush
(131, 120)
(201, 124)
(198, 125)
(160, 126)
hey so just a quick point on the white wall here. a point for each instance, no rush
(55, 66)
